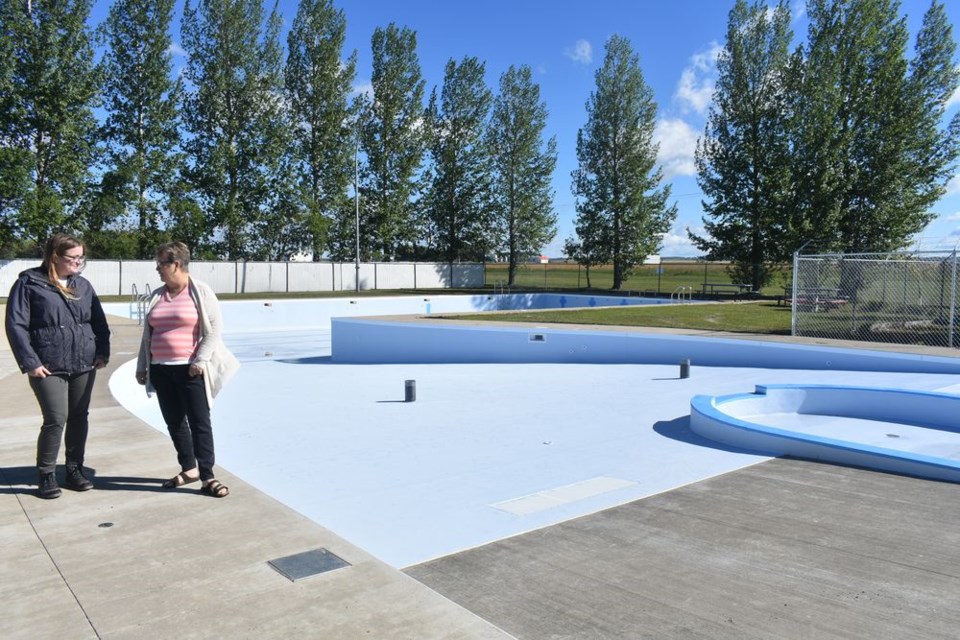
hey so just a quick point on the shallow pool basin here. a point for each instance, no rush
(897, 430)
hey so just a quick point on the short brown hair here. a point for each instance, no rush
(174, 251)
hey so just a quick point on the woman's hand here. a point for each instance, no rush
(195, 370)
(39, 372)
(99, 363)
(141, 377)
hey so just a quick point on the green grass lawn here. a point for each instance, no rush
(743, 317)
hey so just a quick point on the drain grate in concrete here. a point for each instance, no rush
(306, 564)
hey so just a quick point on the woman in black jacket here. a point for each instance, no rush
(59, 337)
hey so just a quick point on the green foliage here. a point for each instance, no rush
(743, 159)
(522, 199)
(317, 85)
(621, 212)
(142, 125)
(458, 200)
(392, 142)
(870, 156)
(47, 129)
(238, 132)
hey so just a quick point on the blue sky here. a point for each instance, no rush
(563, 43)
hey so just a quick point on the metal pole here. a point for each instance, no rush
(953, 298)
(356, 199)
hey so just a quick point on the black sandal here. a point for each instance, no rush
(215, 489)
(178, 481)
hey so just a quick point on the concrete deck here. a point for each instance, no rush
(783, 549)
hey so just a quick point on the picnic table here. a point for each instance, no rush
(715, 288)
(815, 298)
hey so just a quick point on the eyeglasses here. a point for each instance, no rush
(161, 263)
(74, 259)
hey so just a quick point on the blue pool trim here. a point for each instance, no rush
(710, 417)
(380, 341)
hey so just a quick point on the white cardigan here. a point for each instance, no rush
(217, 362)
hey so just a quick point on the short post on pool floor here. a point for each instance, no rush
(409, 390)
(685, 368)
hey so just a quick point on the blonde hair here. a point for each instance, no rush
(57, 246)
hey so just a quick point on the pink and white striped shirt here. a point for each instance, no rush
(176, 329)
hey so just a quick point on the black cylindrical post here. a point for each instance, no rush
(409, 390)
(685, 368)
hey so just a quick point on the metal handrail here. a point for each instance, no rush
(679, 293)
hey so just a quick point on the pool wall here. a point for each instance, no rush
(737, 420)
(250, 315)
(368, 341)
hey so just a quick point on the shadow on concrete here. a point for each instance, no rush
(23, 480)
(679, 429)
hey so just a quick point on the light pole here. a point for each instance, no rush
(356, 200)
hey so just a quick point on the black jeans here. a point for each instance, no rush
(183, 403)
(64, 401)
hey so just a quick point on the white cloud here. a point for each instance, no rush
(799, 10)
(695, 87)
(363, 89)
(953, 186)
(954, 99)
(176, 50)
(678, 141)
(676, 243)
(581, 52)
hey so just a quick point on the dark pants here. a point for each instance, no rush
(183, 403)
(64, 401)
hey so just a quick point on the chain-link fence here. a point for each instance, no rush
(898, 298)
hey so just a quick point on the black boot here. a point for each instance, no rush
(75, 479)
(47, 487)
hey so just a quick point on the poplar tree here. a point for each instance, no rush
(522, 165)
(318, 85)
(458, 204)
(142, 103)
(621, 208)
(933, 80)
(871, 155)
(47, 124)
(392, 143)
(235, 119)
(743, 158)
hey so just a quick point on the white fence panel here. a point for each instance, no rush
(259, 277)
(141, 274)
(432, 275)
(9, 270)
(467, 275)
(368, 276)
(221, 276)
(120, 277)
(104, 275)
(395, 275)
(310, 276)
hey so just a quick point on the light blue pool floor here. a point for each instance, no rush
(485, 452)
(875, 433)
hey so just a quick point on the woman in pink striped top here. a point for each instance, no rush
(183, 359)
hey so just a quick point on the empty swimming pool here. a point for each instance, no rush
(489, 449)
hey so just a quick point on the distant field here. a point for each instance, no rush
(663, 279)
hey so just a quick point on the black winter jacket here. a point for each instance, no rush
(46, 327)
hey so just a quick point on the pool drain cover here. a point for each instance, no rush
(308, 563)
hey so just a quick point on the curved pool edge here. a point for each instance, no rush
(708, 419)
